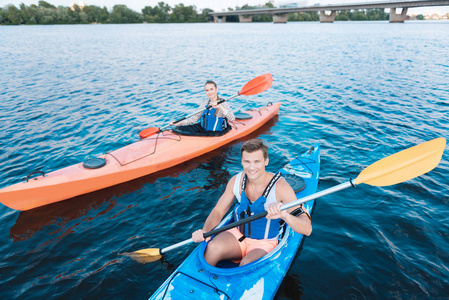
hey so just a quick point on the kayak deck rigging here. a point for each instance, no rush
(141, 158)
(171, 135)
(164, 134)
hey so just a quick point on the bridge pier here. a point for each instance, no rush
(220, 19)
(327, 18)
(398, 18)
(245, 18)
(280, 18)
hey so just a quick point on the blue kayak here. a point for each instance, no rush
(261, 279)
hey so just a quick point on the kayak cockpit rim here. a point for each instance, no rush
(287, 232)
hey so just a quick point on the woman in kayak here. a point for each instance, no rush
(214, 121)
(256, 191)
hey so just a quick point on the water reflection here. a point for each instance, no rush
(167, 265)
(291, 288)
(217, 175)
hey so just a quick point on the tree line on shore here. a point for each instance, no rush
(45, 13)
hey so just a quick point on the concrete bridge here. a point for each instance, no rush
(280, 15)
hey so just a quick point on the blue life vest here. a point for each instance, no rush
(212, 123)
(262, 228)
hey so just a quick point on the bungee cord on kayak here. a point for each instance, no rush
(178, 137)
(132, 161)
(304, 162)
(164, 136)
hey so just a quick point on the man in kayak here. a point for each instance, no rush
(256, 191)
(214, 121)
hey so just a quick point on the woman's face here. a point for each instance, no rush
(211, 91)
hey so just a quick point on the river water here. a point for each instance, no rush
(364, 90)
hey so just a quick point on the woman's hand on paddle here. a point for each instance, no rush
(274, 211)
(198, 236)
(215, 105)
(221, 108)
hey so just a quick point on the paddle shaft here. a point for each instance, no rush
(186, 117)
(263, 214)
(396, 168)
(283, 207)
(254, 86)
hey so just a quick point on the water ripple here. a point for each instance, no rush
(364, 90)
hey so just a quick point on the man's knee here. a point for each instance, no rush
(214, 247)
(252, 256)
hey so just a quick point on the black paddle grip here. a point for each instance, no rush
(235, 224)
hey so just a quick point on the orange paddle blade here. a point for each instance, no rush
(257, 85)
(148, 132)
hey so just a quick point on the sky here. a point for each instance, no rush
(216, 5)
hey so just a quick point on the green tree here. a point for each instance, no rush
(303, 16)
(183, 14)
(256, 18)
(96, 14)
(14, 15)
(47, 13)
(376, 14)
(159, 14)
(420, 17)
(45, 4)
(205, 17)
(342, 16)
(359, 15)
(27, 14)
(61, 15)
(3, 16)
(73, 15)
(122, 14)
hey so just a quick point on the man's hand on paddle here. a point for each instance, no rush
(198, 236)
(275, 212)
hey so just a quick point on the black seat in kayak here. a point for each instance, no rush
(197, 130)
(226, 264)
(242, 116)
(94, 162)
(297, 183)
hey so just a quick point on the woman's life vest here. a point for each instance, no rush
(212, 123)
(262, 228)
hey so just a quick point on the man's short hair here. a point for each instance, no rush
(254, 145)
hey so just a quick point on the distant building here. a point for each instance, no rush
(81, 4)
(436, 17)
(287, 3)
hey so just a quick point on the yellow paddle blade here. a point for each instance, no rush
(145, 255)
(404, 165)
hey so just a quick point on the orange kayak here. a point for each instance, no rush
(152, 154)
